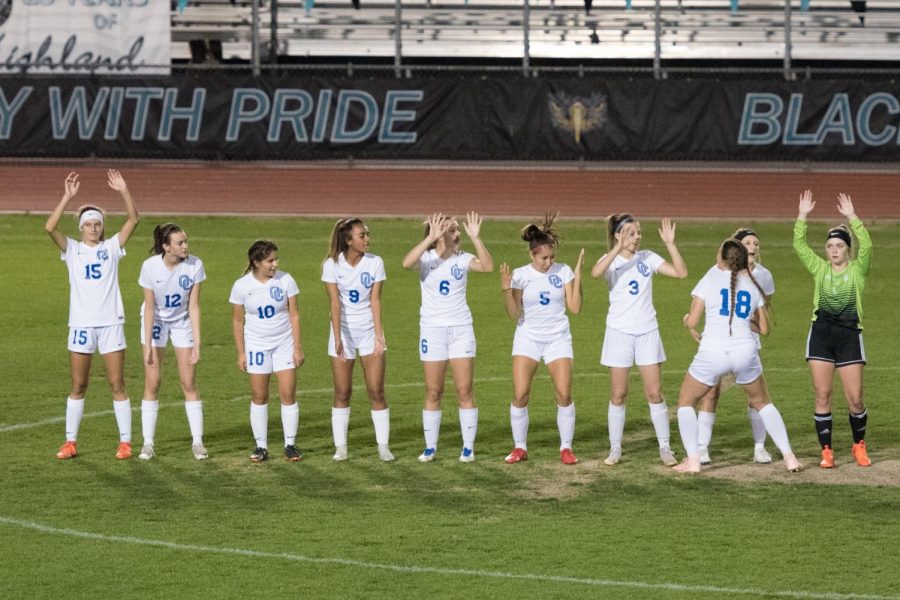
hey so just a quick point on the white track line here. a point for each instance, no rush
(420, 570)
(105, 413)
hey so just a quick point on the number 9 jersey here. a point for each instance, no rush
(171, 288)
(715, 291)
(354, 284)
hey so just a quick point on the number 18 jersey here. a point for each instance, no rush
(715, 291)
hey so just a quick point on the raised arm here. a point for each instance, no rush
(437, 226)
(676, 268)
(512, 298)
(806, 254)
(573, 288)
(71, 189)
(194, 316)
(483, 261)
(117, 182)
(864, 253)
(600, 267)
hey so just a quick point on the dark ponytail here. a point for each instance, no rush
(541, 232)
(614, 224)
(162, 234)
(340, 237)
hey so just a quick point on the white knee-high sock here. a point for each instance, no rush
(616, 421)
(431, 426)
(687, 427)
(659, 414)
(194, 411)
(340, 423)
(705, 422)
(775, 427)
(757, 425)
(259, 423)
(565, 422)
(381, 419)
(518, 420)
(290, 421)
(122, 408)
(468, 425)
(74, 412)
(149, 410)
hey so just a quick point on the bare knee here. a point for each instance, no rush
(376, 397)
(563, 398)
(342, 396)
(466, 396)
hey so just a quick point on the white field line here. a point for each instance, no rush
(422, 570)
(136, 408)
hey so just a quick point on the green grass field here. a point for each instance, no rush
(173, 527)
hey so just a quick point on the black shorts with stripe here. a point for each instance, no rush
(835, 343)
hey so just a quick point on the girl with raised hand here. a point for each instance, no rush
(835, 341)
(447, 336)
(171, 279)
(632, 332)
(266, 327)
(96, 312)
(733, 305)
(537, 296)
(353, 280)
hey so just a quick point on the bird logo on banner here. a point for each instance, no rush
(577, 113)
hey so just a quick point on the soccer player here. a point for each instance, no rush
(536, 297)
(445, 323)
(171, 279)
(632, 333)
(706, 416)
(353, 280)
(266, 327)
(96, 312)
(733, 305)
(835, 339)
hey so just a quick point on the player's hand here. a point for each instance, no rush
(116, 181)
(505, 277)
(579, 263)
(806, 204)
(380, 346)
(667, 231)
(72, 185)
(845, 207)
(438, 225)
(148, 355)
(242, 362)
(339, 350)
(472, 225)
(195, 355)
(299, 358)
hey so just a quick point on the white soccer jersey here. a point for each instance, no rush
(443, 283)
(354, 286)
(171, 288)
(543, 300)
(715, 291)
(266, 315)
(94, 296)
(630, 284)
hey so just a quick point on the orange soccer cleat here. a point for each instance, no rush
(67, 451)
(827, 461)
(124, 451)
(860, 454)
(567, 456)
(517, 455)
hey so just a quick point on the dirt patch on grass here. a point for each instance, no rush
(881, 473)
(559, 482)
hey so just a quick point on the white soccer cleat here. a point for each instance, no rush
(147, 452)
(467, 455)
(615, 455)
(199, 452)
(689, 465)
(666, 456)
(384, 453)
(761, 456)
(704, 457)
(426, 457)
(791, 463)
(340, 454)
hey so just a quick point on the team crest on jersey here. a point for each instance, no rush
(277, 294)
(367, 280)
(643, 269)
(457, 272)
(555, 281)
(185, 282)
(102, 254)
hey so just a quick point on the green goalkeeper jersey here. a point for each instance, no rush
(838, 295)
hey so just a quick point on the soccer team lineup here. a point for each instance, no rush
(728, 319)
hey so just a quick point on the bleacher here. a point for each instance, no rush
(694, 30)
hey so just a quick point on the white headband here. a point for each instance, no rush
(87, 215)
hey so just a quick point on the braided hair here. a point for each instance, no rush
(735, 256)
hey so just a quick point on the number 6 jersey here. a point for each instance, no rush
(171, 288)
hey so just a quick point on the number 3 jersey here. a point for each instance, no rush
(94, 296)
(172, 289)
(630, 282)
(443, 283)
(266, 317)
(543, 300)
(354, 284)
(715, 291)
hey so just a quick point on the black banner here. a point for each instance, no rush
(220, 116)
